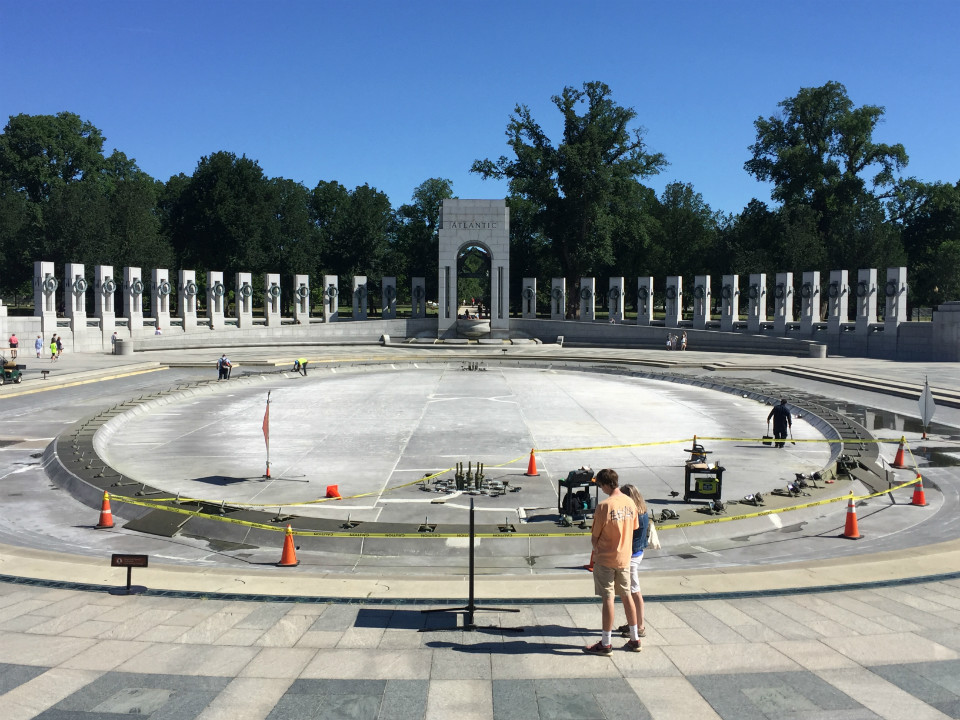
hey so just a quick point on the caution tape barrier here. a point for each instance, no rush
(525, 457)
(280, 527)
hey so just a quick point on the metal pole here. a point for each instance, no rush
(471, 607)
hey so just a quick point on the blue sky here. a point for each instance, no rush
(392, 93)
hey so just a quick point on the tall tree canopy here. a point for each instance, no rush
(416, 241)
(42, 153)
(61, 199)
(573, 187)
(819, 152)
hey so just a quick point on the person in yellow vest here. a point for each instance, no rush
(300, 366)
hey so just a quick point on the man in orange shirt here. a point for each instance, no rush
(612, 538)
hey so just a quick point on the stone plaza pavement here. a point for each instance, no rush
(885, 649)
(887, 652)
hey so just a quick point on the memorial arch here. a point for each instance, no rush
(474, 234)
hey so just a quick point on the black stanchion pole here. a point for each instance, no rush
(471, 607)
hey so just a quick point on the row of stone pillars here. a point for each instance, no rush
(838, 290)
(160, 288)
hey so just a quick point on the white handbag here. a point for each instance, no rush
(653, 540)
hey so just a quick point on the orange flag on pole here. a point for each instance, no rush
(266, 424)
(266, 432)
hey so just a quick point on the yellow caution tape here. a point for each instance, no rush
(159, 505)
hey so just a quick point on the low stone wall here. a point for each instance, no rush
(655, 337)
(910, 342)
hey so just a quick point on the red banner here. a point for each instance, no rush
(266, 424)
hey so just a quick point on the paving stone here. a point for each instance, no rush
(12, 676)
(758, 696)
(335, 617)
(296, 706)
(894, 648)
(515, 700)
(935, 683)
(885, 699)
(246, 698)
(404, 700)
(264, 616)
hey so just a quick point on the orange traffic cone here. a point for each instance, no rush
(589, 566)
(919, 498)
(851, 531)
(289, 556)
(532, 465)
(106, 515)
(898, 461)
(333, 491)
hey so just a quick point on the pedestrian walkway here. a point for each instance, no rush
(890, 652)
(738, 641)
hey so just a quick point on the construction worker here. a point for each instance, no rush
(781, 421)
(300, 366)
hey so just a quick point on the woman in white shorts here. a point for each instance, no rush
(639, 545)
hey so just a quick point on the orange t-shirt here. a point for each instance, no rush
(613, 526)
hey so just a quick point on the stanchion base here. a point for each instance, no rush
(128, 590)
(468, 623)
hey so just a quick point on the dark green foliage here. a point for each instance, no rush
(413, 252)
(574, 189)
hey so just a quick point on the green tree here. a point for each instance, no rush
(225, 216)
(42, 153)
(574, 185)
(686, 234)
(65, 202)
(929, 215)
(354, 228)
(298, 251)
(819, 152)
(415, 246)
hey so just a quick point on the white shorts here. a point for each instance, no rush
(635, 573)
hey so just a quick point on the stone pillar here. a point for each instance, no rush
(216, 299)
(133, 298)
(730, 302)
(588, 300)
(45, 286)
(301, 299)
(528, 305)
(702, 299)
(104, 288)
(558, 299)
(161, 290)
(645, 300)
(783, 302)
(388, 298)
(359, 297)
(895, 307)
(866, 300)
(75, 297)
(946, 332)
(187, 292)
(418, 298)
(674, 301)
(757, 302)
(809, 301)
(331, 298)
(837, 297)
(244, 300)
(615, 299)
(271, 299)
